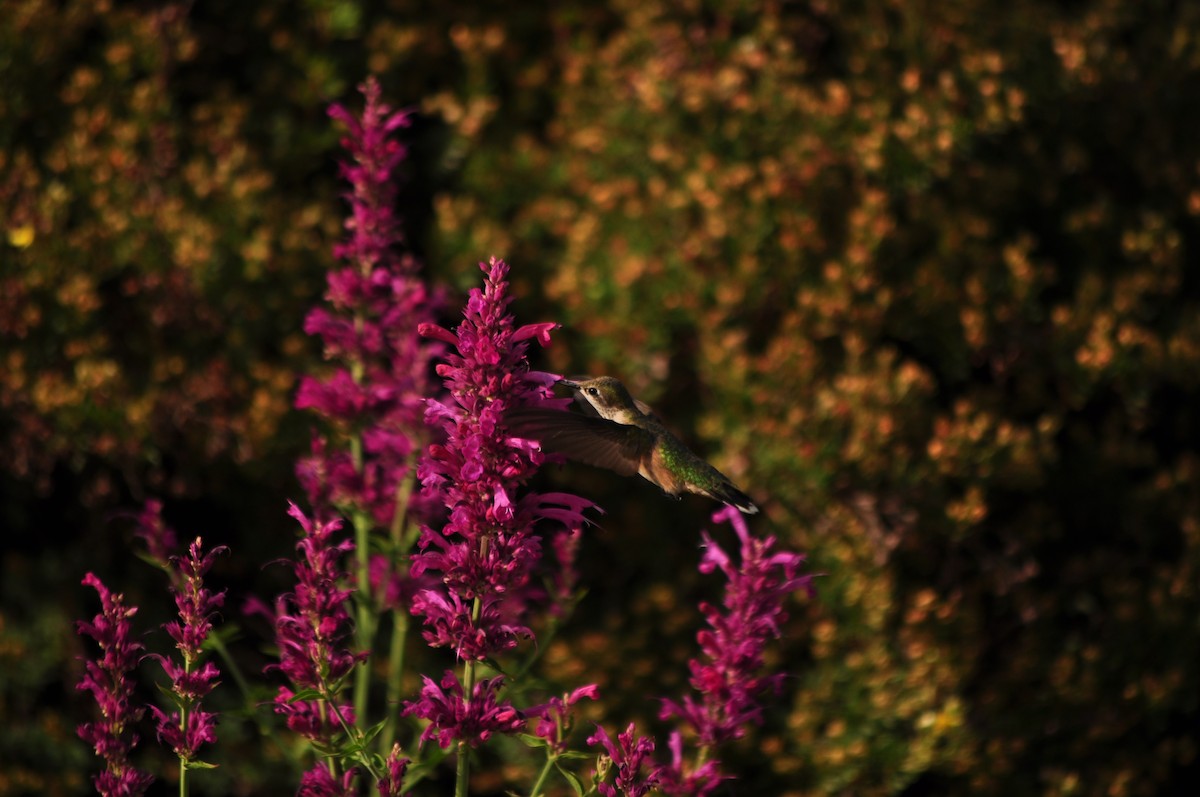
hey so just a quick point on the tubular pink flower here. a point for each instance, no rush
(554, 717)
(312, 626)
(486, 553)
(728, 680)
(391, 783)
(108, 680)
(487, 549)
(374, 305)
(201, 729)
(320, 782)
(628, 754)
(158, 536)
(679, 778)
(565, 573)
(452, 717)
(196, 604)
(190, 681)
(311, 719)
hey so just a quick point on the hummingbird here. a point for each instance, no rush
(620, 433)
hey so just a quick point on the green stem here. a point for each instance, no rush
(396, 649)
(364, 630)
(536, 791)
(185, 707)
(183, 770)
(464, 764)
(352, 733)
(463, 774)
(398, 643)
(364, 626)
(265, 728)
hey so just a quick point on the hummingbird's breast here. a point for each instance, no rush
(668, 464)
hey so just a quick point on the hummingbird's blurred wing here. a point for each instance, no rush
(585, 406)
(644, 408)
(587, 439)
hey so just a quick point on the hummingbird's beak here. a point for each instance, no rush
(569, 383)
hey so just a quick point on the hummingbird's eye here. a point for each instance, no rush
(593, 391)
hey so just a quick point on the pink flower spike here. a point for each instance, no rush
(676, 778)
(489, 547)
(391, 783)
(109, 680)
(628, 754)
(555, 720)
(453, 717)
(159, 538)
(374, 303)
(728, 681)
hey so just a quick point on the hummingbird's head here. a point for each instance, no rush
(607, 396)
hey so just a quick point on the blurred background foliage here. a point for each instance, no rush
(921, 276)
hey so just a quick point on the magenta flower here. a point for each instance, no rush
(188, 727)
(393, 586)
(728, 679)
(108, 680)
(201, 729)
(321, 782)
(158, 536)
(682, 779)
(312, 719)
(452, 717)
(375, 303)
(555, 716)
(487, 551)
(565, 572)
(312, 626)
(628, 755)
(196, 604)
(391, 783)
(450, 624)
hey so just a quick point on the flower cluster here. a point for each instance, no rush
(473, 720)
(188, 727)
(628, 755)
(391, 782)
(679, 778)
(565, 575)
(728, 679)
(555, 717)
(159, 538)
(320, 781)
(108, 680)
(312, 625)
(375, 303)
(487, 550)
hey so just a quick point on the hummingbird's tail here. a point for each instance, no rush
(727, 493)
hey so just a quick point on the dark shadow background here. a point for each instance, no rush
(920, 277)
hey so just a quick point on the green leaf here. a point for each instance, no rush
(306, 694)
(199, 765)
(576, 755)
(222, 635)
(532, 741)
(373, 731)
(571, 778)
